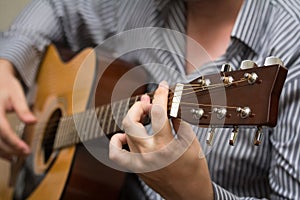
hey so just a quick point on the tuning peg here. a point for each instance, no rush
(258, 136)
(272, 60)
(247, 64)
(233, 135)
(220, 112)
(244, 112)
(203, 82)
(210, 136)
(226, 67)
(197, 113)
(251, 77)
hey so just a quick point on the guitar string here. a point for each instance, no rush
(198, 89)
(193, 90)
(184, 103)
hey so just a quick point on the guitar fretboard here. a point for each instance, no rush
(93, 123)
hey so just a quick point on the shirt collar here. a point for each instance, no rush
(251, 22)
(161, 4)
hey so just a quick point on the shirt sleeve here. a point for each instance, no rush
(284, 172)
(36, 26)
(76, 24)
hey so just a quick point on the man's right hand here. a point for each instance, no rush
(12, 98)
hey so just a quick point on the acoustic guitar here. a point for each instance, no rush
(81, 101)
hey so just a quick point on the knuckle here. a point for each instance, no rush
(126, 122)
(112, 156)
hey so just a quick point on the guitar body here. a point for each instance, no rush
(64, 89)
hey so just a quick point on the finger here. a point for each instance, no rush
(20, 106)
(10, 138)
(145, 98)
(6, 156)
(133, 162)
(132, 122)
(161, 95)
(159, 119)
(116, 152)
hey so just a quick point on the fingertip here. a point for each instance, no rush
(22, 148)
(27, 117)
(30, 117)
(164, 84)
(145, 98)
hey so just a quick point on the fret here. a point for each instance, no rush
(109, 119)
(83, 131)
(125, 110)
(78, 123)
(119, 116)
(98, 131)
(94, 124)
(60, 130)
(90, 125)
(74, 136)
(84, 125)
(102, 116)
(63, 135)
(66, 121)
(115, 116)
(72, 131)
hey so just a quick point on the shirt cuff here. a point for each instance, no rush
(22, 55)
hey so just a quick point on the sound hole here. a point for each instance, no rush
(50, 132)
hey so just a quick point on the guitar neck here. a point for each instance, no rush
(227, 102)
(93, 123)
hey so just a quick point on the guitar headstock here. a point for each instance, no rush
(246, 97)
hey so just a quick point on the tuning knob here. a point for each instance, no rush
(247, 64)
(210, 136)
(197, 113)
(272, 60)
(233, 135)
(226, 68)
(258, 136)
(244, 112)
(203, 82)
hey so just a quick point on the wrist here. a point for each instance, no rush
(7, 67)
(196, 186)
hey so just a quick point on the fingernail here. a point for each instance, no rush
(145, 97)
(25, 149)
(30, 117)
(164, 84)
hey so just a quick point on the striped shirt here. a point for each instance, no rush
(263, 28)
